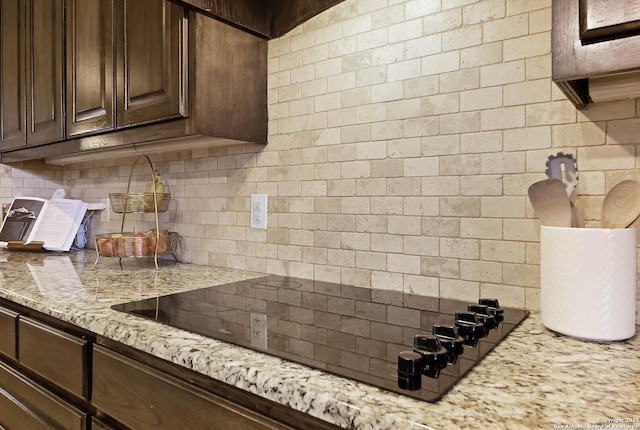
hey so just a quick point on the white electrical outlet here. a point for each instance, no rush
(259, 211)
(258, 329)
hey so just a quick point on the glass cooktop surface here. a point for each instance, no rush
(383, 338)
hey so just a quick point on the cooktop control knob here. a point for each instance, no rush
(485, 317)
(469, 327)
(434, 355)
(450, 339)
(410, 370)
(494, 308)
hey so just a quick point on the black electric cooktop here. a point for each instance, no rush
(383, 338)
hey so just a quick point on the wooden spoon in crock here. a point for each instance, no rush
(550, 202)
(621, 205)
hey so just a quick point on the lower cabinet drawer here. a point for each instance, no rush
(55, 355)
(8, 322)
(141, 397)
(16, 417)
(25, 405)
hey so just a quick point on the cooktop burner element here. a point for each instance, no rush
(414, 345)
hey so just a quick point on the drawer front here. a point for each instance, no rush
(16, 417)
(24, 404)
(57, 356)
(8, 324)
(141, 397)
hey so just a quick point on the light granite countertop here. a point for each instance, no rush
(534, 379)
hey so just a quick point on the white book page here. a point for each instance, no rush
(59, 224)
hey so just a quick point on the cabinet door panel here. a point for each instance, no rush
(45, 122)
(89, 55)
(13, 111)
(57, 356)
(150, 69)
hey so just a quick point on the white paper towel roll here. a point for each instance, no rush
(588, 282)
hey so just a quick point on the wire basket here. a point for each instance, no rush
(138, 202)
(130, 244)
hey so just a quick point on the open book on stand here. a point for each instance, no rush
(53, 223)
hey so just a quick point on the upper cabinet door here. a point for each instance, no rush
(13, 90)
(90, 31)
(45, 27)
(151, 58)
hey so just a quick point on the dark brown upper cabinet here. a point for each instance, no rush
(125, 64)
(267, 18)
(137, 73)
(595, 42)
(153, 75)
(31, 67)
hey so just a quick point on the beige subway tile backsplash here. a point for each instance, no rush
(403, 136)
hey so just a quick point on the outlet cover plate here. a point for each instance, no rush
(258, 211)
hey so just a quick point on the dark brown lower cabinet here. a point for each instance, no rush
(141, 397)
(27, 405)
(44, 372)
(54, 375)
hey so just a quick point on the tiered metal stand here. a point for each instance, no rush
(129, 244)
